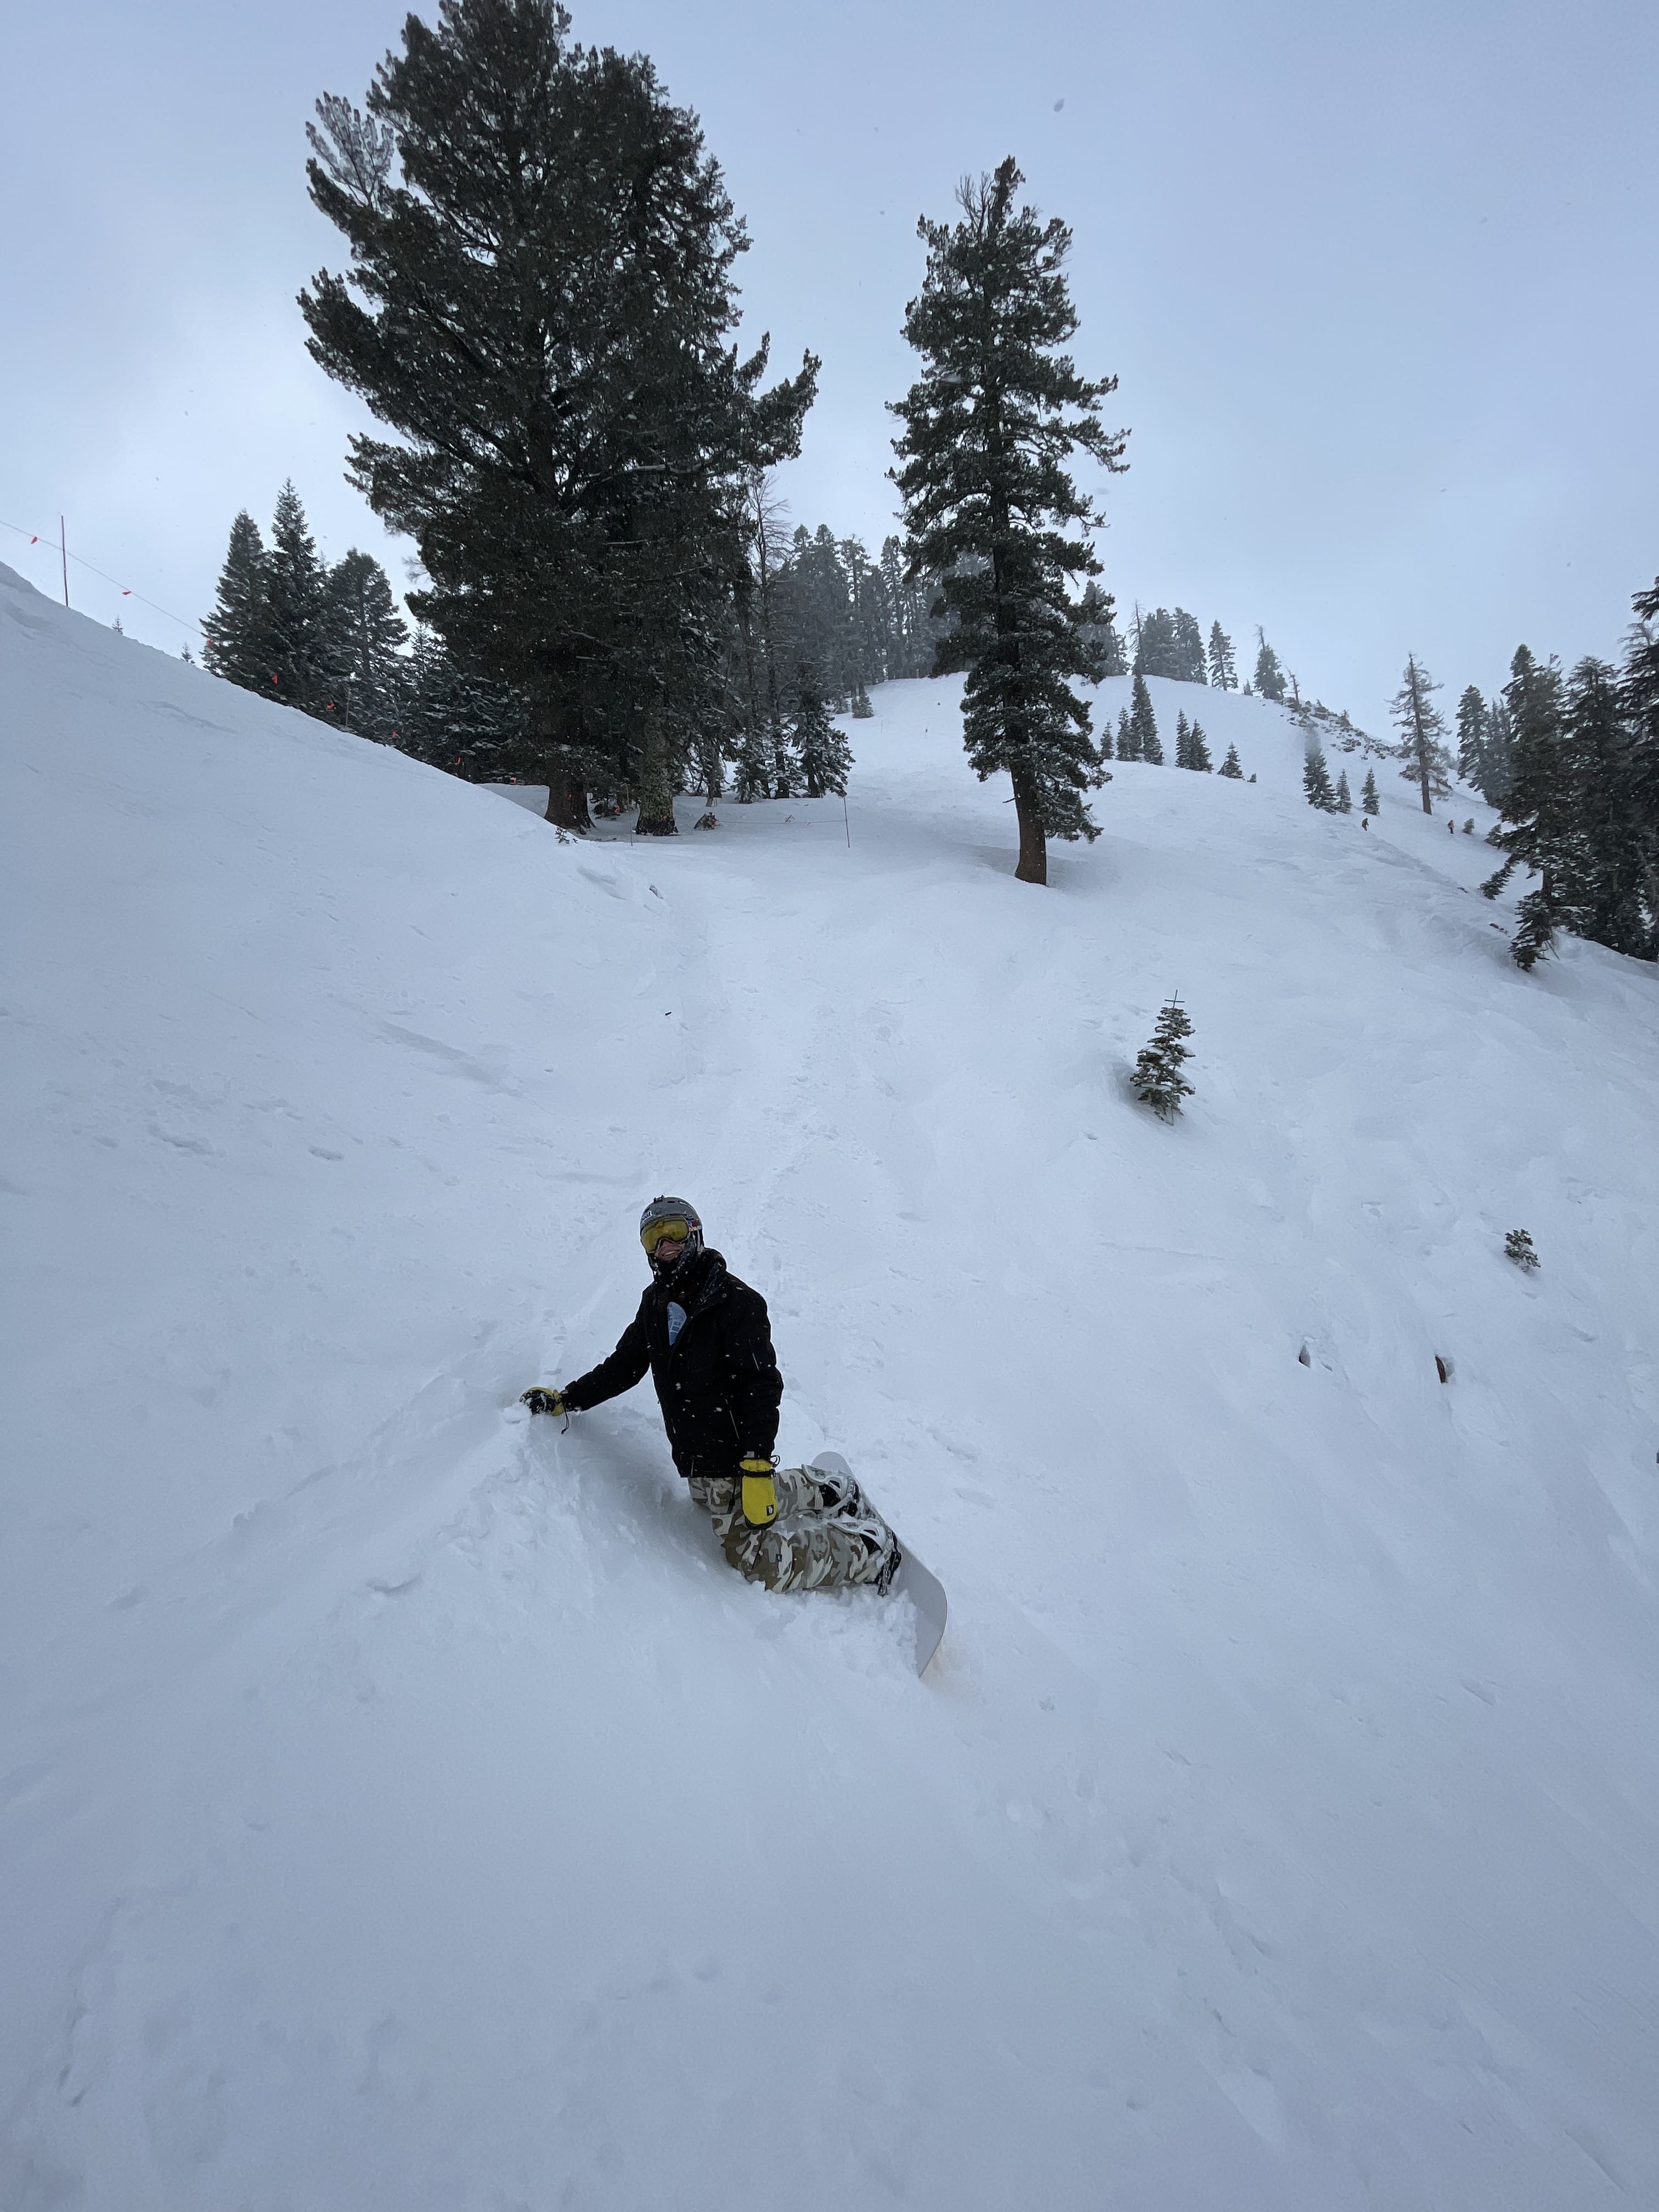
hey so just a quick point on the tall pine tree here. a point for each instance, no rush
(1189, 649)
(1316, 781)
(1143, 726)
(236, 635)
(989, 507)
(1422, 729)
(363, 641)
(540, 304)
(1269, 675)
(1224, 673)
(296, 583)
(1539, 831)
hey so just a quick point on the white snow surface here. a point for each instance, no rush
(403, 1805)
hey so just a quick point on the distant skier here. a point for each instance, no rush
(705, 1338)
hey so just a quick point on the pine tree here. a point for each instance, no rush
(1471, 736)
(1519, 1246)
(1224, 673)
(1640, 688)
(1422, 729)
(1231, 766)
(1368, 797)
(1156, 651)
(540, 304)
(296, 608)
(1126, 737)
(862, 710)
(989, 428)
(363, 638)
(1197, 751)
(1269, 675)
(1157, 1080)
(1539, 830)
(1344, 796)
(1188, 648)
(752, 770)
(1143, 726)
(459, 721)
(1183, 756)
(236, 635)
(1096, 619)
(823, 755)
(1316, 781)
(1603, 898)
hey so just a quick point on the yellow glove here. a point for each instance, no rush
(760, 1493)
(544, 1401)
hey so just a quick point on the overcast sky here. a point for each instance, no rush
(1377, 280)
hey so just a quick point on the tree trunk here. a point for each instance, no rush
(567, 802)
(1033, 844)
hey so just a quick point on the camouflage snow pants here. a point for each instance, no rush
(826, 1535)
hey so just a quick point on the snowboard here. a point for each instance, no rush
(924, 1589)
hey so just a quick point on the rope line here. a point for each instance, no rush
(40, 537)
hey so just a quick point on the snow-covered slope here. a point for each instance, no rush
(404, 1807)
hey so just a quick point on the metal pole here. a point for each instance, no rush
(63, 548)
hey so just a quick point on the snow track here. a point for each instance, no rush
(402, 1807)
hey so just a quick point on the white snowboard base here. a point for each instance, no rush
(924, 1589)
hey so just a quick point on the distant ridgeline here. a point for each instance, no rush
(1173, 645)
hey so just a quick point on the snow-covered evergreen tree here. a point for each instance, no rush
(1269, 675)
(1316, 781)
(1189, 647)
(1422, 729)
(1198, 750)
(1519, 1246)
(1097, 618)
(1224, 673)
(989, 507)
(236, 635)
(1471, 735)
(1344, 796)
(1368, 797)
(539, 304)
(1158, 1081)
(1639, 685)
(1143, 725)
(1539, 830)
(1605, 896)
(1126, 736)
(1183, 760)
(363, 640)
(752, 770)
(296, 608)
(822, 754)
(1231, 768)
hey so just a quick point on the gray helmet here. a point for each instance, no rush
(655, 1224)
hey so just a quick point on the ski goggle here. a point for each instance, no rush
(676, 1229)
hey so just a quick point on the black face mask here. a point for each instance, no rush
(666, 1271)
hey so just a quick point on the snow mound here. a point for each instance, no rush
(402, 1807)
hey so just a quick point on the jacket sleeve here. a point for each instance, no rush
(625, 1367)
(756, 1385)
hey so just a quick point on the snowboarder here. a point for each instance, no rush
(705, 1338)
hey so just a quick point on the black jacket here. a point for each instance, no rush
(718, 1383)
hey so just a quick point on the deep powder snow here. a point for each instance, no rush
(402, 1807)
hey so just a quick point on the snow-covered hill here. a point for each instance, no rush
(405, 1809)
